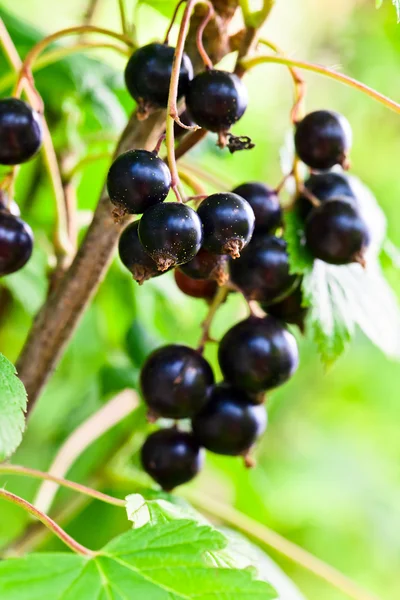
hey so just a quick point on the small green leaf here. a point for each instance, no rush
(165, 7)
(300, 259)
(12, 408)
(167, 557)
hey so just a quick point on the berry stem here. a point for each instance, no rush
(268, 537)
(219, 299)
(81, 164)
(124, 20)
(192, 182)
(199, 37)
(77, 487)
(218, 181)
(171, 24)
(61, 241)
(249, 63)
(48, 522)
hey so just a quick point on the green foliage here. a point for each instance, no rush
(165, 556)
(396, 4)
(299, 256)
(12, 408)
(165, 7)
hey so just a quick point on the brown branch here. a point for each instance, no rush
(59, 317)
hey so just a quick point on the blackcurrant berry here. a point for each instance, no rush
(20, 131)
(16, 243)
(175, 381)
(186, 119)
(206, 265)
(290, 309)
(324, 186)
(148, 75)
(137, 180)
(323, 139)
(133, 256)
(262, 271)
(258, 354)
(171, 457)
(230, 423)
(336, 233)
(265, 203)
(228, 223)
(196, 288)
(216, 100)
(171, 234)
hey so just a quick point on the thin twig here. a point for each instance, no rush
(171, 24)
(89, 431)
(218, 299)
(124, 20)
(48, 522)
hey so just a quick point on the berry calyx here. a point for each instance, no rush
(196, 288)
(324, 186)
(137, 180)
(336, 233)
(262, 271)
(16, 243)
(258, 354)
(228, 223)
(171, 234)
(265, 204)
(323, 139)
(216, 100)
(148, 75)
(230, 423)
(206, 265)
(133, 256)
(171, 457)
(20, 132)
(175, 382)
(290, 309)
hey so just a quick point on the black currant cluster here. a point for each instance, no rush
(234, 239)
(20, 140)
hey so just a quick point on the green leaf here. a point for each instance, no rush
(12, 408)
(300, 259)
(165, 7)
(29, 285)
(396, 4)
(166, 558)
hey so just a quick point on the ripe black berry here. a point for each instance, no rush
(216, 100)
(290, 309)
(324, 186)
(196, 288)
(20, 131)
(171, 234)
(258, 354)
(137, 180)
(148, 75)
(133, 256)
(16, 243)
(265, 203)
(336, 233)
(175, 381)
(230, 423)
(206, 265)
(171, 457)
(323, 139)
(262, 271)
(228, 223)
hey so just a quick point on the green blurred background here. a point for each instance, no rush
(328, 474)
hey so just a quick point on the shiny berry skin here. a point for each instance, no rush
(258, 354)
(324, 186)
(265, 203)
(175, 382)
(336, 233)
(137, 180)
(171, 457)
(148, 75)
(216, 99)
(133, 256)
(206, 265)
(262, 271)
(230, 423)
(290, 309)
(20, 132)
(196, 288)
(16, 243)
(171, 234)
(228, 223)
(323, 139)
